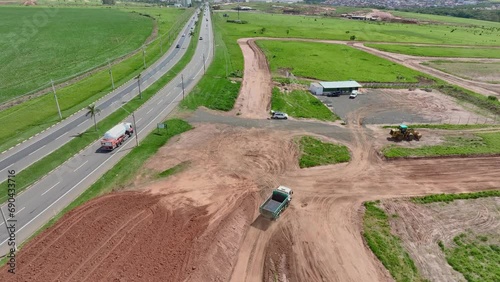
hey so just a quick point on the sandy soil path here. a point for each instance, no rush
(254, 100)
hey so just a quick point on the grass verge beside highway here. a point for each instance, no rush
(316, 153)
(301, 104)
(386, 246)
(25, 120)
(42, 167)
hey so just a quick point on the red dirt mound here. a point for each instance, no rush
(126, 236)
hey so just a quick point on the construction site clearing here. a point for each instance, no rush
(203, 223)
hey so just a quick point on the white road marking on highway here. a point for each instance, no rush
(36, 150)
(160, 101)
(59, 136)
(51, 188)
(149, 111)
(80, 166)
(139, 119)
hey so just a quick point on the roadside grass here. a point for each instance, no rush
(386, 246)
(471, 145)
(25, 120)
(42, 167)
(328, 62)
(448, 126)
(439, 51)
(111, 33)
(315, 27)
(475, 257)
(215, 90)
(173, 170)
(300, 104)
(317, 153)
(448, 198)
(481, 71)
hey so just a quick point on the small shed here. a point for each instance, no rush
(334, 87)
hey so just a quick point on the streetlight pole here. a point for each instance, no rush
(182, 81)
(144, 56)
(55, 96)
(139, 85)
(204, 64)
(135, 127)
(111, 74)
(135, 130)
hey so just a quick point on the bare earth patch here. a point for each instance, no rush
(421, 227)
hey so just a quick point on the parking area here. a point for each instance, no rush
(393, 106)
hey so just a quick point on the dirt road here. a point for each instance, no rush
(202, 224)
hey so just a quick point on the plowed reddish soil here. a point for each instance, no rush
(202, 223)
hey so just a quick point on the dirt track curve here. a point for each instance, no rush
(202, 224)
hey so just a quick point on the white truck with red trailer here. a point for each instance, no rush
(116, 136)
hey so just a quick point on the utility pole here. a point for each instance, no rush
(144, 56)
(139, 84)
(182, 81)
(204, 64)
(111, 74)
(135, 131)
(161, 45)
(55, 96)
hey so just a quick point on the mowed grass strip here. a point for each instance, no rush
(68, 41)
(477, 257)
(481, 71)
(329, 62)
(300, 104)
(470, 145)
(37, 170)
(448, 198)
(215, 90)
(317, 153)
(27, 119)
(439, 51)
(386, 246)
(291, 26)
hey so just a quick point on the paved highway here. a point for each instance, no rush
(27, 153)
(38, 204)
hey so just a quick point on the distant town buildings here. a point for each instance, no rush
(392, 4)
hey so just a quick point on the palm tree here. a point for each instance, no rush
(92, 112)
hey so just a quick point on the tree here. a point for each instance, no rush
(108, 2)
(353, 37)
(92, 112)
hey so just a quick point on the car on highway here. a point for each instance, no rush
(278, 115)
(201, 38)
(178, 46)
(183, 35)
(354, 94)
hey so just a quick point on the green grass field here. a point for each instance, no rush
(56, 158)
(477, 144)
(447, 198)
(476, 256)
(33, 116)
(316, 153)
(329, 62)
(67, 42)
(486, 72)
(386, 246)
(435, 51)
(276, 25)
(300, 104)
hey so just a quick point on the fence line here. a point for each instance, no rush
(409, 120)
